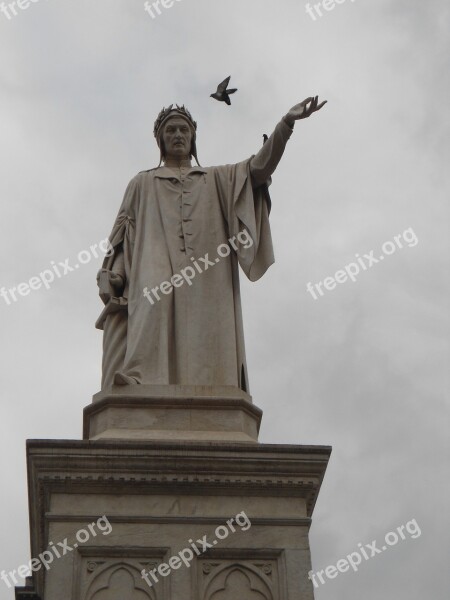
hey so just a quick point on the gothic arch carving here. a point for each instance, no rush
(118, 581)
(233, 581)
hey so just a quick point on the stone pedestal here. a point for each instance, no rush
(173, 412)
(211, 520)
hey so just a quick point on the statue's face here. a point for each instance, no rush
(177, 138)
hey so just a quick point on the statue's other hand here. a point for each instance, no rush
(110, 284)
(304, 109)
(116, 281)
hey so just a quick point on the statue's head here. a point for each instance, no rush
(175, 131)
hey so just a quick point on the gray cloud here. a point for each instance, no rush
(365, 368)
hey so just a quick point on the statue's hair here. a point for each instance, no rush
(164, 115)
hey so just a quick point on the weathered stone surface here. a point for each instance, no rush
(157, 497)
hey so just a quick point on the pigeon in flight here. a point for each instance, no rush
(222, 93)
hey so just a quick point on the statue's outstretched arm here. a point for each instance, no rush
(264, 163)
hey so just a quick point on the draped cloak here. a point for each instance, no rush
(168, 221)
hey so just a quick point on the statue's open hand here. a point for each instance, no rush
(304, 109)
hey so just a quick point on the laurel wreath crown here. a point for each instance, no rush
(165, 113)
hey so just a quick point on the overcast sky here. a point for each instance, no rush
(363, 368)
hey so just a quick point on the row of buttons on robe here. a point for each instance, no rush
(184, 220)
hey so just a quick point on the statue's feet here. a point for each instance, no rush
(121, 379)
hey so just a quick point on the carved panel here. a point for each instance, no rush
(116, 574)
(229, 579)
(118, 581)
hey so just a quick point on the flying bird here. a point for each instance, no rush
(222, 94)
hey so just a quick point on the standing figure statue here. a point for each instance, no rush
(171, 282)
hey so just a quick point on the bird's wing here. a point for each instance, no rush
(223, 86)
(227, 99)
(232, 91)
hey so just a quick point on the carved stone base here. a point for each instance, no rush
(250, 503)
(173, 412)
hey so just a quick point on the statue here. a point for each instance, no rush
(171, 286)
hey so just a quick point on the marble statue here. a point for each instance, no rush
(171, 286)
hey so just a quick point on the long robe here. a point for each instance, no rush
(168, 221)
